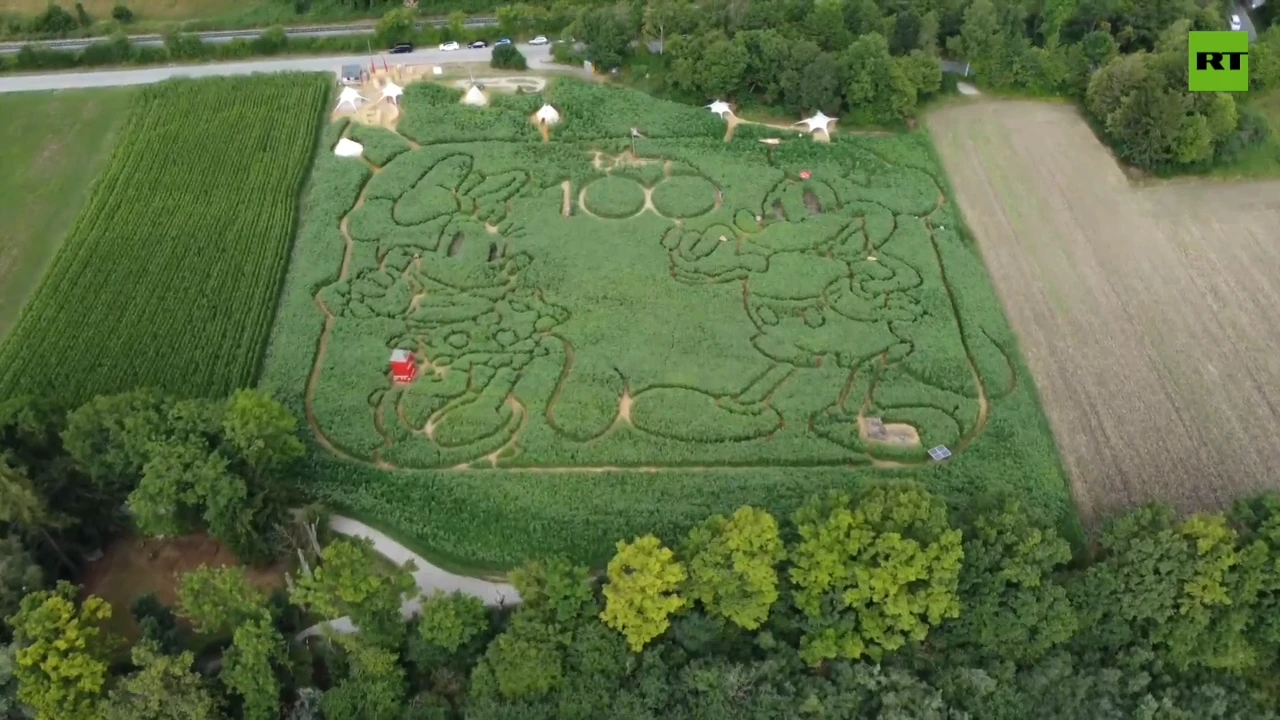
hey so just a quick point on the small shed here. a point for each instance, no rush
(351, 74)
(403, 367)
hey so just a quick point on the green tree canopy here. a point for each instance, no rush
(349, 583)
(733, 566)
(163, 688)
(219, 599)
(873, 575)
(62, 656)
(643, 590)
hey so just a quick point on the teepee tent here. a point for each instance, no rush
(819, 121)
(548, 115)
(349, 96)
(474, 97)
(392, 93)
(347, 147)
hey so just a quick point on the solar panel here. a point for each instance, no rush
(939, 453)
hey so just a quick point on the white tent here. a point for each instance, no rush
(349, 96)
(548, 115)
(720, 108)
(474, 97)
(819, 121)
(347, 147)
(392, 92)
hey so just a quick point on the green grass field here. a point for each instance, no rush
(169, 277)
(609, 344)
(55, 146)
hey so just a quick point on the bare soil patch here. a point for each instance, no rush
(1150, 316)
(133, 566)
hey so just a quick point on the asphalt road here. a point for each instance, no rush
(1246, 22)
(226, 36)
(538, 56)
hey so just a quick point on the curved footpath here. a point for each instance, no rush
(429, 578)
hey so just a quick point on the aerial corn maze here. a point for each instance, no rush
(597, 329)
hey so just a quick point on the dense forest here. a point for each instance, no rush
(885, 603)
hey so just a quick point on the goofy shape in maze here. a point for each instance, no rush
(827, 276)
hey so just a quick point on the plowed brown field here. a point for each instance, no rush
(1150, 316)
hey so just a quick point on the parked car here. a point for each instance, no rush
(402, 48)
(540, 40)
(451, 45)
(1235, 22)
(478, 45)
(503, 41)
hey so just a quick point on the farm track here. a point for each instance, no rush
(1148, 315)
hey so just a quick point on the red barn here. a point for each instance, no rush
(403, 367)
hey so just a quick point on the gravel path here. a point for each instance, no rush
(429, 577)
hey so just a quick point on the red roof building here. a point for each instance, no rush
(403, 367)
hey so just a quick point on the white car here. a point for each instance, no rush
(540, 40)
(449, 46)
(1235, 22)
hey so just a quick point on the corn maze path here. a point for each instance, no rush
(452, 287)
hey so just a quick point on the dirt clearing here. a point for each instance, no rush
(1150, 317)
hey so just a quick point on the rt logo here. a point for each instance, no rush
(1218, 62)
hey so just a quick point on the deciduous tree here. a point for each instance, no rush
(451, 620)
(219, 599)
(348, 583)
(643, 590)
(62, 654)
(733, 566)
(249, 667)
(163, 688)
(871, 576)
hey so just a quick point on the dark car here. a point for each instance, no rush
(478, 45)
(402, 48)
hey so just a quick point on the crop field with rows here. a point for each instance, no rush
(169, 277)
(608, 341)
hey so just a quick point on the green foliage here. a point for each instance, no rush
(348, 584)
(612, 197)
(643, 590)
(396, 26)
(507, 57)
(19, 575)
(163, 688)
(872, 576)
(381, 146)
(62, 653)
(451, 620)
(373, 690)
(192, 296)
(733, 566)
(249, 667)
(1012, 607)
(218, 599)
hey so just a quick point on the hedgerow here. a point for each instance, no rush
(169, 277)
(728, 345)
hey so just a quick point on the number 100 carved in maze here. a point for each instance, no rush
(697, 309)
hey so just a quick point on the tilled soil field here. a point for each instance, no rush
(1150, 316)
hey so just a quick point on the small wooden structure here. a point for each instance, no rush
(403, 367)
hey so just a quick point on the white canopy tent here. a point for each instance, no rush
(392, 93)
(347, 147)
(474, 97)
(720, 108)
(350, 96)
(819, 121)
(548, 115)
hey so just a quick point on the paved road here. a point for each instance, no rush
(226, 36)
(430, 578)
(539, 57)
(1246, 22)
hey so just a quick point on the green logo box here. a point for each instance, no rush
(1218, 61)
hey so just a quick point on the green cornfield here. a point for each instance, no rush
(619, 336)
(170, 275)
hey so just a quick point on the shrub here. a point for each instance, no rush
(614, 197)
(122, 14)
(53, 21)
(507, 57)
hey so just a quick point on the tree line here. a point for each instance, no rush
(882, 603)
(872, 62)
